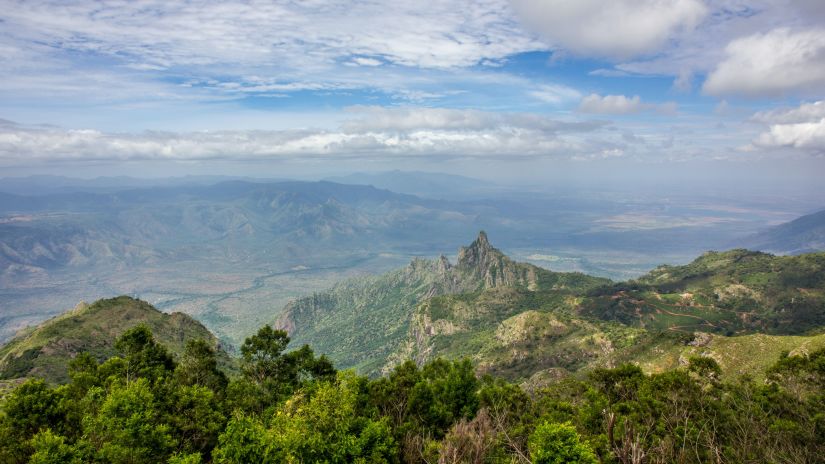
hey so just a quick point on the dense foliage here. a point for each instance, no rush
(145, 406)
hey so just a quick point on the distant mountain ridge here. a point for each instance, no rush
(424, 184)
(50, 184)
(805, 234)
(138, 225)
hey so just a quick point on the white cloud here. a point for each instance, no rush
(800, 128)
(380, 118)
(610, 104)
(445, 33)
(365, 61)
(620, 104)
(372, 132)
(555, 94)
(617, 29)
(700, 50)
(804, 135)
(804, 113)
(775, 63)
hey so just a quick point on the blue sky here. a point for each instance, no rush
(514, 88)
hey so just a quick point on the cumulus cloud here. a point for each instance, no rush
(618, 29)
(803, 113)
(700, 50)
(620, 104)
(371, 132)
(775, 63)
(800, 128)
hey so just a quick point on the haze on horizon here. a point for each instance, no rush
(725, 91)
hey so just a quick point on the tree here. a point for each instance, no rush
(199, 366)
(469, 441)
(320, 424)
(50, 448)
(34, 406)
(554, 443)
(196, 419)
(143, 355)
(263, 358)
(276, 374)
(128, 427)
(243, 441)
(447, 392)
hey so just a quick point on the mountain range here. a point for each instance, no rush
(523, 322)
(233, 252)
(513, 320)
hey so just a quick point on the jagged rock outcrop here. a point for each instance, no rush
(373, 323)
(493, 268)
(386, 304)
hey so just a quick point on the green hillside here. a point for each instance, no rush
(362, 322)
(44, 351)
(529, 324)
(732, 292)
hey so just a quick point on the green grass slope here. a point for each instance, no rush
(44, 351)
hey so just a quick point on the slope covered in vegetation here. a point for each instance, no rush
(730, 292)
(45, 351)
(360, 323)
(529, 324)
(141, 406)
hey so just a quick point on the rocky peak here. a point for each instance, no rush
(478, 254)
(491, 267)
(443, 264)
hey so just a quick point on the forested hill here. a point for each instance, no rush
(45, 350)
(145, 406)
(733, 292)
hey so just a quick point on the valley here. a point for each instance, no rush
(233, 252)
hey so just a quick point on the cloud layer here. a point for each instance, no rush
(161, 34)
(339, 78)
(370, 132)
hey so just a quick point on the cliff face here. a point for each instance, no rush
(492, 268)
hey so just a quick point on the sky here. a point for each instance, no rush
(520, 89)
